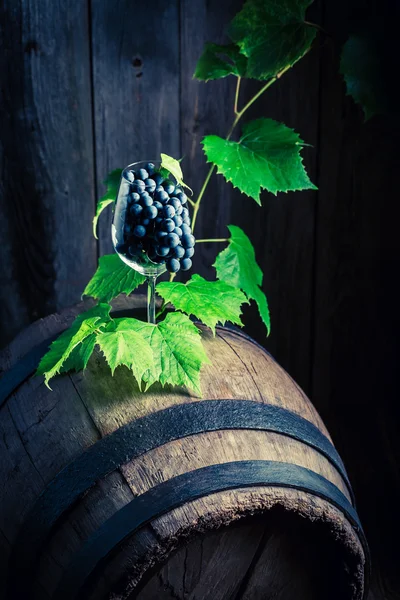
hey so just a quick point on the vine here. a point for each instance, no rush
(266, 40)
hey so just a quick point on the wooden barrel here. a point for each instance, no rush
(110, 493)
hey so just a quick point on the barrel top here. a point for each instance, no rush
(241, 368)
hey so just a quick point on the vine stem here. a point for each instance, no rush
(239, 115)
(235, 106)
(261, 91)
(201, 193)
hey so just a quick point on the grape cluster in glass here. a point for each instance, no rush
(156, 220)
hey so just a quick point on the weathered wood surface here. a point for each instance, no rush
(264, 558)
(47, 191)
(43, 431)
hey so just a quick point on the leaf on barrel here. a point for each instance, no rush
(177, 349)
(79, 357)
(266, 156)
(84, 326)
(211, 302)
(122, 344)
(113, 277)
(237, 265)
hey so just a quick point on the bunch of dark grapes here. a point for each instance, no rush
(157, 220)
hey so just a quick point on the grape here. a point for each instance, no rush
(168, 225)
(177, 220)
(138, 186)
(150, 185)
(179, 252)
(168, 211)
(187, 240)
(150, 212)
(158, 178)
(160, 235)
(146, 199)
(162, 250)
(175, 202)
(139, 231)
(173, 265)
(135, 210)
(189, 252)
(186, 228)
(156, 222)
(161, 196)
(182, 196)
(186, 263)
(142, 174)
(171, 240)
(130, 176)
(169, 187)
(133, 197)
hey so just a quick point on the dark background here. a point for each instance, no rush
(91, 85)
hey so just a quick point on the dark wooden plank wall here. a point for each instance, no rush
(136, 86)
(356, 323)
(90, 86)
(46, 146)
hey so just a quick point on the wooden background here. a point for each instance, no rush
(91, 85)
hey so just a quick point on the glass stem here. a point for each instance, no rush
(151, 299)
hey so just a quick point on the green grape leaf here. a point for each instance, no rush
(266, 156)
(173, 166)
(272, 34)
(60, 350)
(365, 67)
(113, 277)
(178, 351)
(237, 266)
(220, 61)
(209, 301)
(122, 344)
(79, 357)
(112, 183)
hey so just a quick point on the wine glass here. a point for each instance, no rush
(134, 243)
